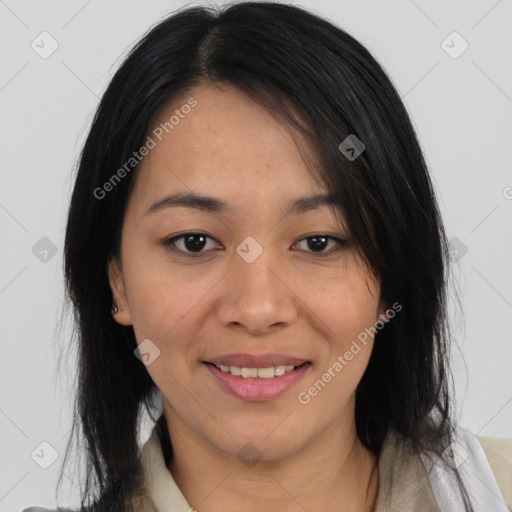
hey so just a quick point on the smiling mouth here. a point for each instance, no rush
(269, 372)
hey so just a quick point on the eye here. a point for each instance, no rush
(193, 244)
(189, 244)
(317, 243)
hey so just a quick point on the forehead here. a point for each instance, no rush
(221, 110)
(225, 145)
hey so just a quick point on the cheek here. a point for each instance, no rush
(162, 301)
(337, 374)
(344, 309)
(343, 299)
(168, 308)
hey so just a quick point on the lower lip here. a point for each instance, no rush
(257, 390)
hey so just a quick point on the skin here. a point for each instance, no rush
(289, 300)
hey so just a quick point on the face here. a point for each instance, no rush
(242, 284)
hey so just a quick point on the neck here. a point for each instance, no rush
(334, 472)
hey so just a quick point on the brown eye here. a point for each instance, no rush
(318, 243)
(190, 244)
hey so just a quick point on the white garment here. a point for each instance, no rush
(467, 455)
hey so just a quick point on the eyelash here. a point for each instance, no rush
(169, 244)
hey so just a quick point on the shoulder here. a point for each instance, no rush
(499, 454)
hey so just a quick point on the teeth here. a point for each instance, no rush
(265, 373)
(249, 373)
(252, 373)
(235, 370)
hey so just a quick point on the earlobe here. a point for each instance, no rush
(120, 309)
(381, 313)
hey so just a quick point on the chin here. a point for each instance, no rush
(264, 444)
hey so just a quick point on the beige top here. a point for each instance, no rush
(404, 482)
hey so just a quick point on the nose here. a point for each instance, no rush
(256, 297)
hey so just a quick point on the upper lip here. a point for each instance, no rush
(256, 361)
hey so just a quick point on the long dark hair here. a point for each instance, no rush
(325, 84)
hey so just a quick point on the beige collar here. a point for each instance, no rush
(403, 481)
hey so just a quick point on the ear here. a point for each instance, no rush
(115, 279)
(381, 311)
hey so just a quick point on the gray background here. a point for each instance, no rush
(461, 107)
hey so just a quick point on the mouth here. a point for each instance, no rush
(257, 384)
(268, 372)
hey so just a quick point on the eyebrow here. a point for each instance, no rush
(215, 205)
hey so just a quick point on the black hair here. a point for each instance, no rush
(327, 85)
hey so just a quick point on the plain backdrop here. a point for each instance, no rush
(460, 100)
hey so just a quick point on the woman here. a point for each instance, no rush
(254, 240)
